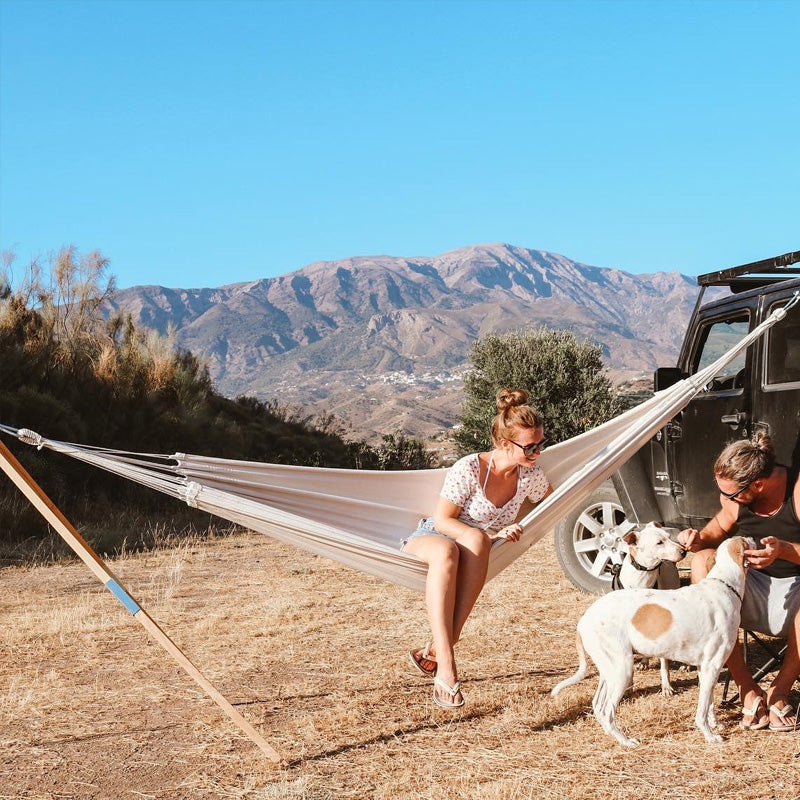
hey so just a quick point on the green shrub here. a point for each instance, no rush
(565, 379)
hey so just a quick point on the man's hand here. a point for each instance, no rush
(770, 550)
(689, 539)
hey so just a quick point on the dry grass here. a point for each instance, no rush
(314, 654)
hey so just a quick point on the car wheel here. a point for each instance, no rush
(589, 541)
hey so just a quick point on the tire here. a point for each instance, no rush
(589, 541)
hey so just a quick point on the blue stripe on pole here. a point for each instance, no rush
(122, 596)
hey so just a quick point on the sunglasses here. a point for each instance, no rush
(731, 495)
(530, 449)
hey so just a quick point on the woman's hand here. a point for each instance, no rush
(510, 533)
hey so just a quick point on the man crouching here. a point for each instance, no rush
(759, 499)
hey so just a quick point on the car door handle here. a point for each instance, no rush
(733, 419)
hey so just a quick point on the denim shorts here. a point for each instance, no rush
(424, 528)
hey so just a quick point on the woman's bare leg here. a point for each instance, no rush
(442, 555)
(473, 565)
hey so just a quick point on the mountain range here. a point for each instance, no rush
(382, 341)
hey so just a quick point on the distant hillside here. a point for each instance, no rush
(381, 341)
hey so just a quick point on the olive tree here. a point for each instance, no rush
(565, 378)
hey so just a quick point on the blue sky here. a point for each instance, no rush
(202, 143)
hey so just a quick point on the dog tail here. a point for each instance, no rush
(582, 668)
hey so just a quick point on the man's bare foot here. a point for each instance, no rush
(754, 712)
(782, 716)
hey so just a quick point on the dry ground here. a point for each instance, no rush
(314, 655)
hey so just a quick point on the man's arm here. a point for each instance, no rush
(773, 549)
(718, 528)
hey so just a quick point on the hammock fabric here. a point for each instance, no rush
(359, 517)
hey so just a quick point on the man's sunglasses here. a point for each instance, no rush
(732, 495)
(531, 449)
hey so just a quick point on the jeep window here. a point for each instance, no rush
(715, 340)
(783, 350)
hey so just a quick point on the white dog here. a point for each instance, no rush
(648, 549)
(696, 624)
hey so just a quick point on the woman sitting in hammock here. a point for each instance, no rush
(479, 502)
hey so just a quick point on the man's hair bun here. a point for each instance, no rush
(762, 441)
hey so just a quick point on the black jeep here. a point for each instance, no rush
(670, 478)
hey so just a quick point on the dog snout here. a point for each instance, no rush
(679, 549)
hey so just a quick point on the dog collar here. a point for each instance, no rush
(638, 566)
(616, 583)
(725, 583)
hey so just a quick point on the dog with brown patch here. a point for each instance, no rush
(695, 624)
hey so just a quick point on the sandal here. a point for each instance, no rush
(781, 714)
(758, 721)
(451, 690)
(417, 662)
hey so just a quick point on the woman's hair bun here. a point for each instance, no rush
(509, 398)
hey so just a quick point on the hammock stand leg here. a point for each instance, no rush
(34, 493)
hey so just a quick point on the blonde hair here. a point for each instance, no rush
(746, 461)
(513, 411)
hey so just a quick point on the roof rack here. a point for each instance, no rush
(769, 266)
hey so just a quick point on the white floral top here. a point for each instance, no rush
(462, 487)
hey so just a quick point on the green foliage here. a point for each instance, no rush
(565, 379)
(70, 373)
(396, 451)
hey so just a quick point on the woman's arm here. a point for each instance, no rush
(446, 520)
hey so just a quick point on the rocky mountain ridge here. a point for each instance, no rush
(382, 341)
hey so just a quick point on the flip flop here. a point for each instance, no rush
(451, 690)
(417, 662)
(760, 721)
(782, 713)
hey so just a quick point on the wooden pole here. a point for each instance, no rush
(18, 475)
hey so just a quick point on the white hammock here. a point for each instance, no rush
(358, 517)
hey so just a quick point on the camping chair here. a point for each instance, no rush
(771, 650)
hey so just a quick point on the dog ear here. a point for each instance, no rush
(711, 560)
(631, 538)
(737, 549)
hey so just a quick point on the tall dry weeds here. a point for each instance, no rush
(72, 370)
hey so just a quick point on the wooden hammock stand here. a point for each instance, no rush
(34, 493)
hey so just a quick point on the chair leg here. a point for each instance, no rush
(772, 663)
